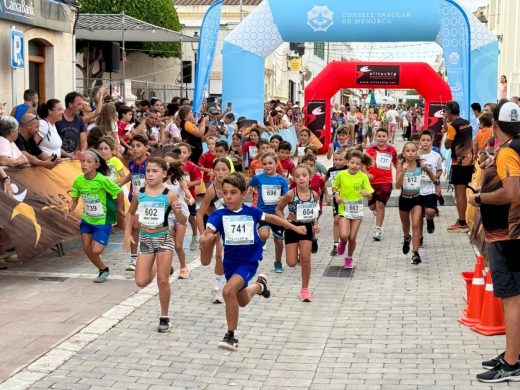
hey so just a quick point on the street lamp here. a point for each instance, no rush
(194, 48)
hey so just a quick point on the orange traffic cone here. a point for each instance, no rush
(476, 297)
(492, 318)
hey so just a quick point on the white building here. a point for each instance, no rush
(280, 83)
(502, 18)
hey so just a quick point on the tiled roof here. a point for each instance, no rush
(209, 2)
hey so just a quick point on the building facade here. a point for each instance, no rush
(45, 54)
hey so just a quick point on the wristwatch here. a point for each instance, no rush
(437, 182)
(5, 178)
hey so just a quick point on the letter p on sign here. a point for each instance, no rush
(17, 50)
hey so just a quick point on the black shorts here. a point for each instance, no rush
(505, 270)
(291, 237)
(193, 209)
(461, 175)
(407, 204)
(277, 230)
(430, 201)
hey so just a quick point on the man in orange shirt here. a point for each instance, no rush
(500, 210)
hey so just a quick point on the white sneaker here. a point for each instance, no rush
(378, 234)
(194, 243)
(216, 296)
(131, 265)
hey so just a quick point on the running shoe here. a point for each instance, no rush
(441, 200)
(378, 234)
(430, 226)
(421, 242)
(278, 268)
(131, 266)
(334, 251)
(349, 263)
(416, 258)
(164, 325)
(314, 245)
(341, 247)
(229, 342)
(489, 364)
(458, 228)
(216, 297)
(305, 295)
(406, 245)
(262, 280)
(502, 372)
(194, 244)
(102, 276)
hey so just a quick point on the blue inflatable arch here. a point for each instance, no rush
(470, 50)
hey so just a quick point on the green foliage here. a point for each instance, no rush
(161, 13)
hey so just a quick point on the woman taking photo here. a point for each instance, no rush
(190, 133)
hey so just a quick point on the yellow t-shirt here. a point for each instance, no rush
(349, 187)
(115, 166)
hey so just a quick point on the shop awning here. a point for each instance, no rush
(109, 27)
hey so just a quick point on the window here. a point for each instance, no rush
(319, 50)
(37, 68)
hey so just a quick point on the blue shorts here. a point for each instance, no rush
(245, 270)
(99, 233)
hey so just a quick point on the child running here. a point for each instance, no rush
(409, 173)
(235, 152)
(136, 177)
(99, 209)
(381, 179)
(236, 225)
(153, 203)
(271, 187)
(303, 206)
(349, 188)
(214, 200)
(179, 187)
(339, 164)
(304, 138)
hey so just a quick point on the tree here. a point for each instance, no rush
(161, 13)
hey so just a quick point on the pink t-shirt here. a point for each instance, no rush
(9, 149)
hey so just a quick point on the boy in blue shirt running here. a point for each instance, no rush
(236, 224)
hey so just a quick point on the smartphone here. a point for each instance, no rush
(54, 157)
(229, 105)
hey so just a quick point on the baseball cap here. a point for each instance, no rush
(508, 116)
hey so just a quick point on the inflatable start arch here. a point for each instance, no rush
(470, 50)
(371, 75)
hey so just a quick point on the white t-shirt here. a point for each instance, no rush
(51, 140)
(391, 116)
(9, 149)
(179, 193)
(434, 161)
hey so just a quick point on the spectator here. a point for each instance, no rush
(173, 133)
(107, 121)
(156, 104)
(2, 107)
(124, 126)
(190, 133)
(185, 102)
(485, 132)
(502, 88)
(151, 128)
(176, 100)
(500, 210)
(48, 138)
(6, 183)
(29, 126)
(10, 155)
(30, 102)
(477, 110)
(514, 99)
(88, 113)
(459, 139)
(71, 127)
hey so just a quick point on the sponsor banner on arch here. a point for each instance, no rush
(378, 74)
(315, 118)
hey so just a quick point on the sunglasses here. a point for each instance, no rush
(35, 118)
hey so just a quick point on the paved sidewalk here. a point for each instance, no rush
(391, 325)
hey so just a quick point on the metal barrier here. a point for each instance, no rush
(139, 89)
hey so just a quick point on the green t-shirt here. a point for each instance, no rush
(115, 166)
(350, 187)
(99, 207)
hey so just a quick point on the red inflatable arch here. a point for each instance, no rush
(374, 75)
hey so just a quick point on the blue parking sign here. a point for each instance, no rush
(17, 50)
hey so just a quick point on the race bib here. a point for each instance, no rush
(354, 209)
(253, 151)
(92, 206)
(151, 214)
(138, 181)
(238, 229)
(333, 175)
(271, 194)
(259, 171)
(219, 203)
(307, 211)
(383, 160)
(411, 182)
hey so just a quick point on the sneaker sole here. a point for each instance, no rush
(465, 230)
(266, 285)
(164, 331)
(506, 379)
(227, 346)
